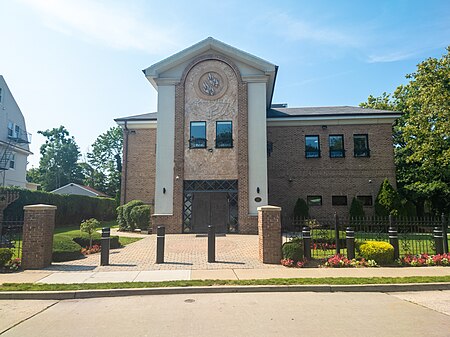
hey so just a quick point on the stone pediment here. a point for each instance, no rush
(252, 68)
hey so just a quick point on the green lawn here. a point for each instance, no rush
(197, 283)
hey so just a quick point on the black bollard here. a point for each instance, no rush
(306, 235)
(105, 243)
(160, 238)
(444, 233)
(350, 241)
(211, 244)
(393, 240)
(438, 240)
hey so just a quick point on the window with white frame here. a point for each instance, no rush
(10, 129)
(1, 95)
(12, 161)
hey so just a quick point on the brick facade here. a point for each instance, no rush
(293, 176)
(37, 244)
(139, 165)
(269, 231)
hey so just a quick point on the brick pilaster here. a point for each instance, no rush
(269, 231)
(38, 226)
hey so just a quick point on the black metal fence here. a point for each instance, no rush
(328, 235)
(11, 236)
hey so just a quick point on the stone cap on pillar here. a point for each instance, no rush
(39, 207)
(269, 208)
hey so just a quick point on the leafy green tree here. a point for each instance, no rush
(422, 134)
(388, 200)
(106, 159)
(356, 209)
(58, 164)
(301, 209)
(89, 227)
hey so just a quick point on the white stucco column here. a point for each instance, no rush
(257, 145)
(165, 140)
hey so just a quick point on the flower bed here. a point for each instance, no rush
(292, 264)
(423, 260)
(94, 249)
(340, 261)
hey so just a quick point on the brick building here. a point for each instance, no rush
(217, 148)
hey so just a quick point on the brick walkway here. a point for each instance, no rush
(182, 252)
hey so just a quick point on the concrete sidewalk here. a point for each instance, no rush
(52, 277)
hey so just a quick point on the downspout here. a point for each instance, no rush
(125, 161)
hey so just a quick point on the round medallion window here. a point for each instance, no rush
(212, 85)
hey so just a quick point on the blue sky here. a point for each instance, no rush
(78, 63)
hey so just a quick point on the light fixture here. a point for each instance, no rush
(164, 190)
(324, 127)
(257, 190)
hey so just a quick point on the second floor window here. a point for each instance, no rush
(197, 137)
(1, 95)
(10, 129)
(224, 134)
(361, 145)
(336, 146)
(312, 147)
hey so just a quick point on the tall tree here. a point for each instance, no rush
(422, 134)
(59, 155)
(106, 159)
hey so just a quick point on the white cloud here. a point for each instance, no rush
(107, 23)
(391, 57)
(295, 29)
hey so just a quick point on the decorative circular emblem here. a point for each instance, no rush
(212, 85)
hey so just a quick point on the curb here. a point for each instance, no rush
(82, 294)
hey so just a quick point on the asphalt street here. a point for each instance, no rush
(233, 314)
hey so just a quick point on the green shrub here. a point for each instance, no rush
(381, 252)
(65, 249)
(301, 209)
(408, 209)
(140, 215)
(388, 200)
(83, 240)
(120, 219)
(6, 255)
(71, 209)
(127, 208)
(356, 209)
(89, 227)
(293, 250)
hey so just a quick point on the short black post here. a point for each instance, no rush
(105, 243)
(444, 233)
(160, 238)
(336, 231)
(306, 235)
(438, 240)
(350, 241)
(211, 244)
(393, 240)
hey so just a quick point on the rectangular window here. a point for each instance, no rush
(12, 161)
(314, 200)
(1, 95)
(16, 131)
(366, 200)
(197, 138)
(224, 134)
(312, 147)
(339, 200)
(10, 129)
(361, 145)
(336, 146)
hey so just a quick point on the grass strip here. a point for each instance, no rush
(208, 283)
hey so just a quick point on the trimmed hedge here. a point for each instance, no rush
(380, 251)
(293, 250)
(6, 255)
(71, 209)
(65, 249)
(140, 215)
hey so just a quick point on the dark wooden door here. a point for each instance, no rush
(210, 208)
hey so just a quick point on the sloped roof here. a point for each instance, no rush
(151, 116)
(331, 111)
(88, 188)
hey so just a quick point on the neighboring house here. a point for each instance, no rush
(14, 140)
(217, 148)
(76, 189)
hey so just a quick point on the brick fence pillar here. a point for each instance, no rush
(38, 226)
(269, 231)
